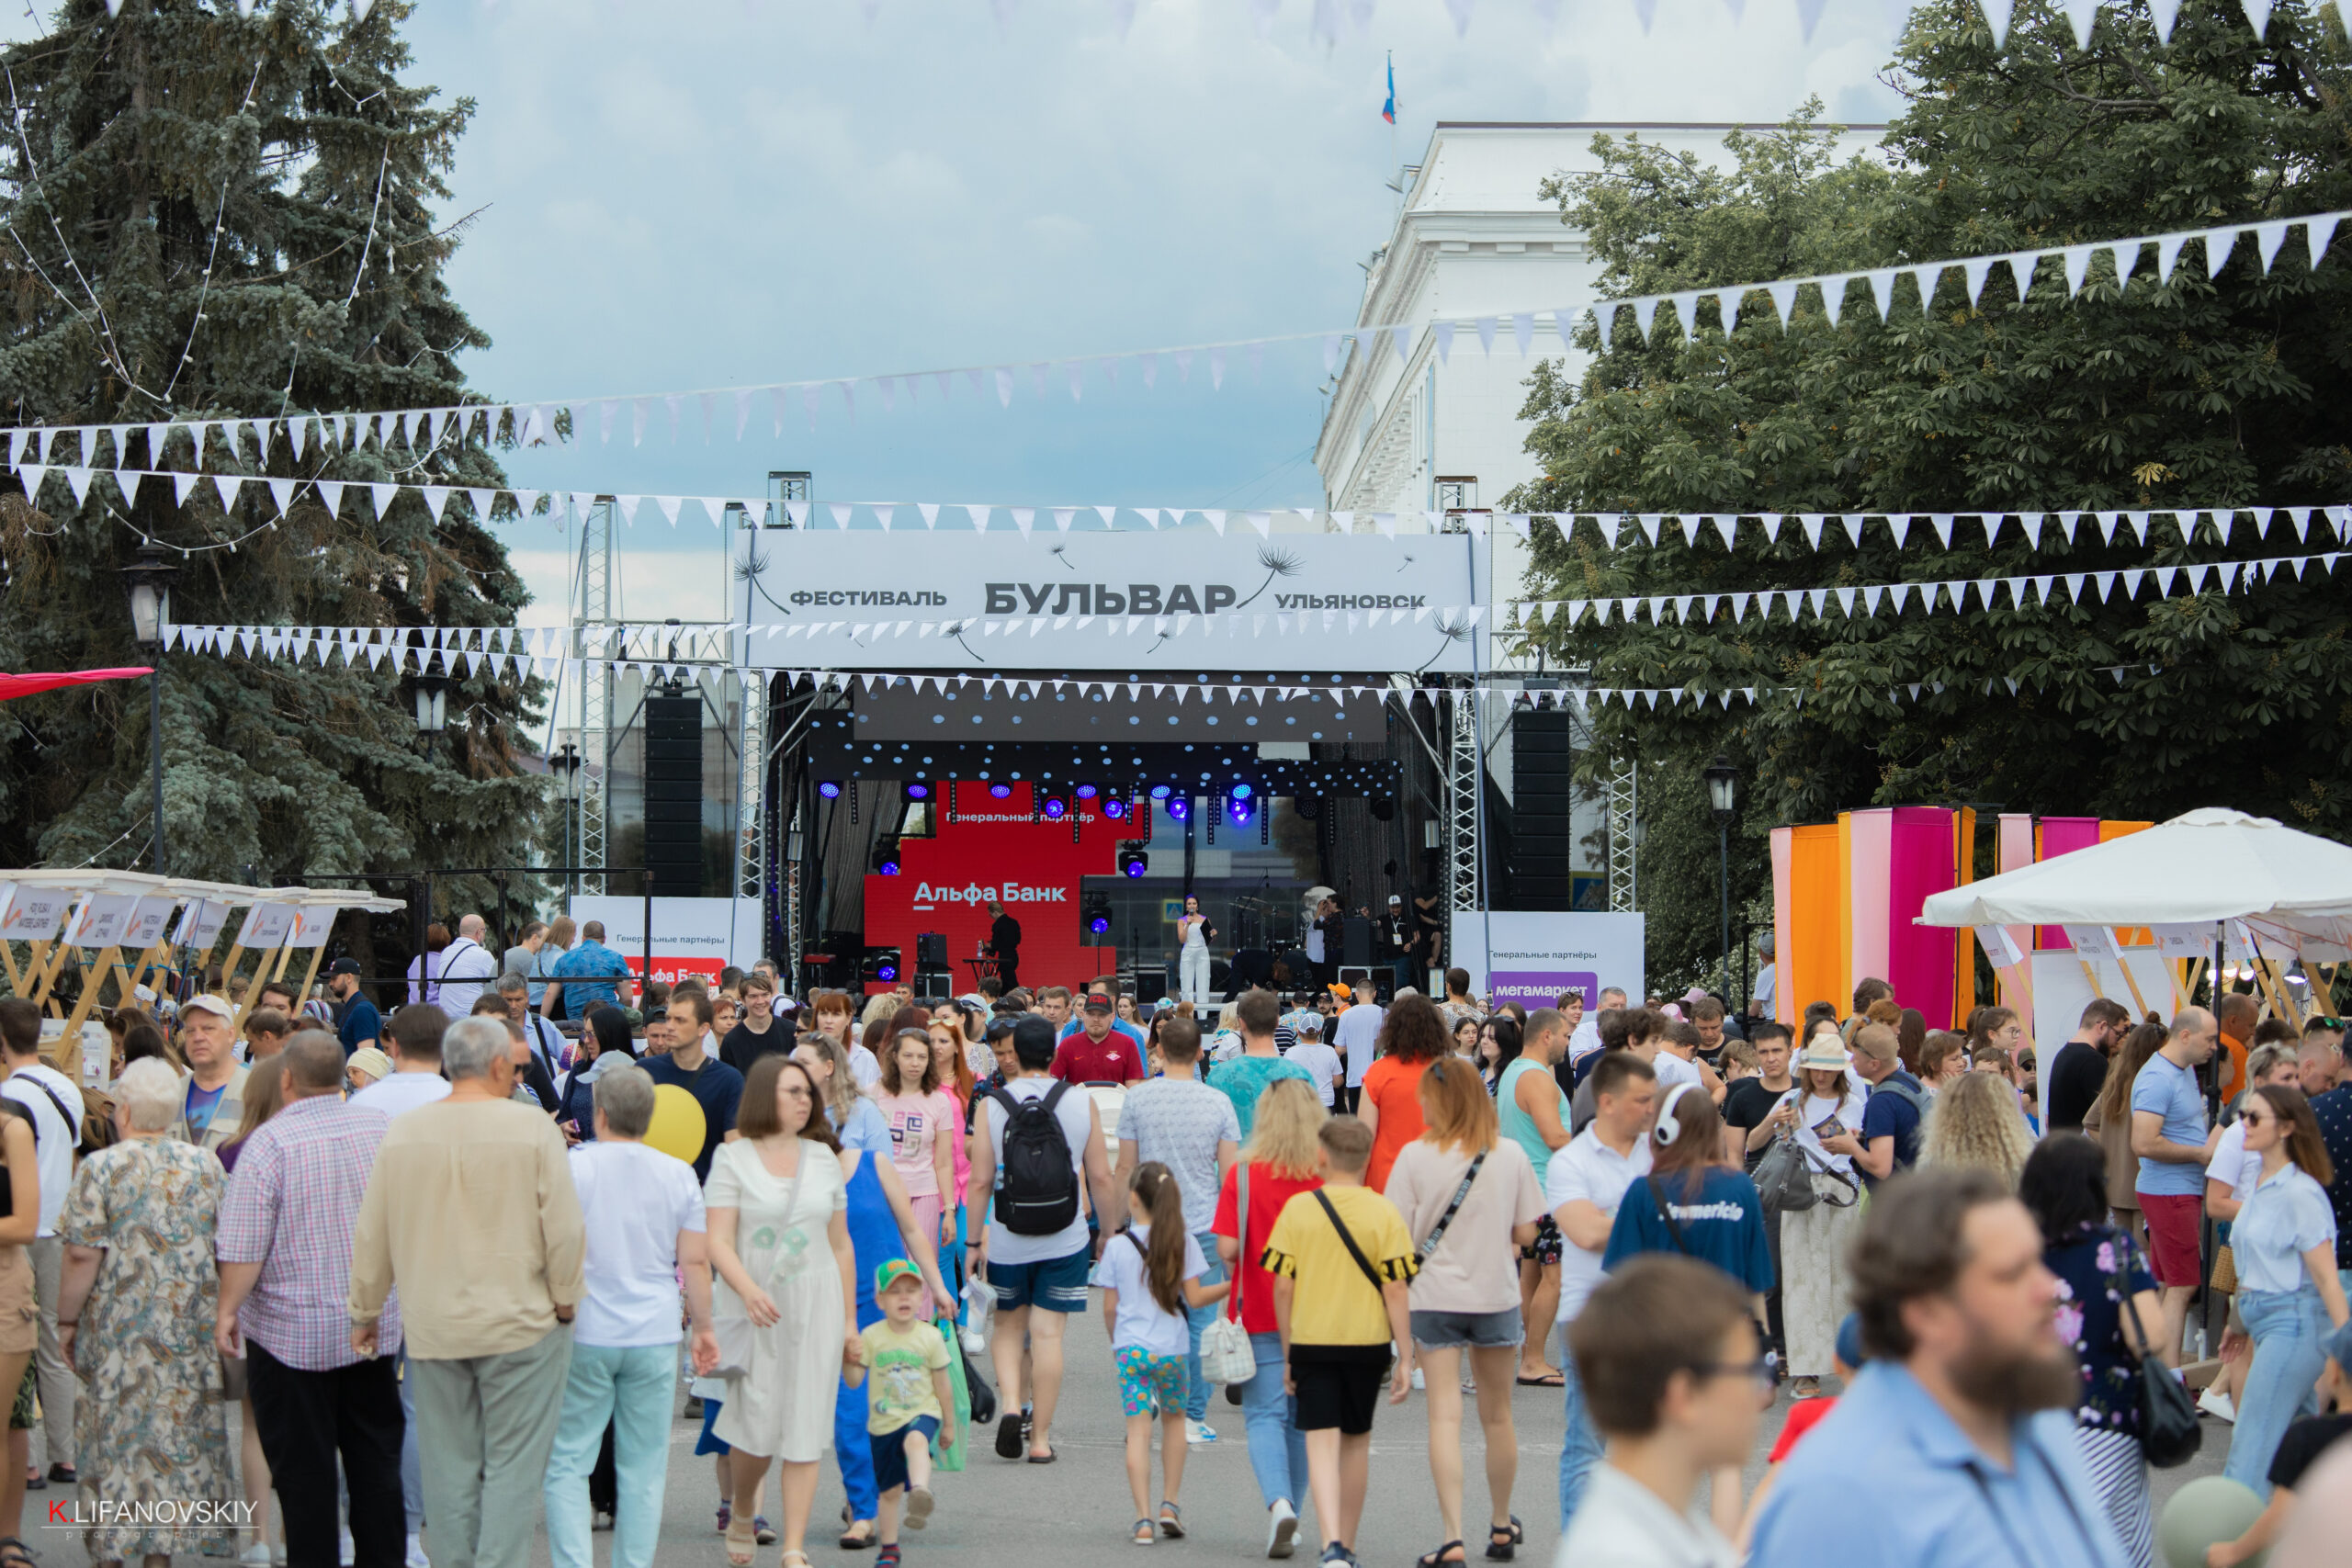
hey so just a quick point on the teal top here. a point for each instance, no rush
(1515, 1124)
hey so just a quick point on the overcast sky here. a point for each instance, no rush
(696, 192)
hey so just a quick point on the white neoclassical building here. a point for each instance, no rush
(1438, 427)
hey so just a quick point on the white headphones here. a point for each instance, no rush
(1668, 1128)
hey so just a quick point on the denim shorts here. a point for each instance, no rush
(1056, 1284)
(1477, 1330)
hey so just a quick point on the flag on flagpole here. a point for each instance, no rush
(1388, 109)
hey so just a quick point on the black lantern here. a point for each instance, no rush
(1721, 779)
(148, 579)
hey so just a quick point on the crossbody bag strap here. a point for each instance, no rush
(1348, 1241)
(1436, 1232)
(1240, 1237)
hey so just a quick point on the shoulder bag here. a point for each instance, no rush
(1436, 1232)
(1371, 1274)
(2169, 1435)
(1227, 1355)
(733, 1328)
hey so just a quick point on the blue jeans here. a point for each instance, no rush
(854, 1449)
(630, 1388)
(1196, 1388)
(2287, 1326)
(1579, 1445)
(1277, 1448)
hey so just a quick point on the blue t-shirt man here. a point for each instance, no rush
(587, 974)
(360, 1024)
(1721, 1225)
(1889, 1113)
(2170, 1091)
(717, 1087)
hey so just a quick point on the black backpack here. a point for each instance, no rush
(1037, 1185)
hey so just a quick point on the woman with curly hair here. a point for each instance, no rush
(1976, 1122)
(1411, 1037)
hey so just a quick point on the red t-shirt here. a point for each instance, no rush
(1803, 1415)
(1269, 1190)
(1394, 1085)
(1080, 1060)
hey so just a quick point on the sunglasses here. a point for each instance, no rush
(2254, 1118)
(1759, 1370)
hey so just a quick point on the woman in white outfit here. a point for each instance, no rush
(1193, 954)
(786, 1302)
(1823, 1113)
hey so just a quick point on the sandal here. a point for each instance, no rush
(1008, 1435)
(1144, 1534)
(888, 1557)
(15, 1553)
(742, 1543)
(802, 1555)
(1439, 1559)
(853, 1542)
(1171, 1521)
(1502, 1541)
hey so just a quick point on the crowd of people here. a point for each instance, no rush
(441, 1259)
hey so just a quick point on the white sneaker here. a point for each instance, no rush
(416, 1558)
(2215, 1401)
(1419, 1382)
(1282, 1532)
(347, 1552)
(1199, 1434)
(255, 1556)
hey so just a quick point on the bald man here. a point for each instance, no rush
(2168, 1136)
(456, 975)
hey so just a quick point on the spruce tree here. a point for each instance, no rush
(214, 217)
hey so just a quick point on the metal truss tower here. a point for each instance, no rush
(1464, 808)
(595, 688)
(1623, 893)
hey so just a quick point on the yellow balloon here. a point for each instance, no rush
(677, 1128)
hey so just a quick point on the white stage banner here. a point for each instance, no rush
(1228, 599)
(1531, 958)
(691, 936)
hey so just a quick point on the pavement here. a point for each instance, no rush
(1004, 1515)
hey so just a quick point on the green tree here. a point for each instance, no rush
(216, 217)
(2139, 392)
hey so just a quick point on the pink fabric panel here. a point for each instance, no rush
(1871, 838)
(2064, 836)
(1920, 959)
(1784, 933)
(2012, 849)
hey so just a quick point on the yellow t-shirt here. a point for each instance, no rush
(897, 1375)
(1333, 1304)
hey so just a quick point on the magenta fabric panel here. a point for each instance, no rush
(1921, 960)
(1870, 839)
(2064, 836)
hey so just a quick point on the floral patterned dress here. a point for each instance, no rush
(2091, 1265)
(151, 1424)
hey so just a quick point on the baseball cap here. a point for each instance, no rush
(344, 967)
(1098, 1002)
(1395, 899)
(1850, 1341)
(1309, 1023)
(204, 1001)
(896, 1269)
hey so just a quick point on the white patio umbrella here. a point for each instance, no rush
(2202, 866)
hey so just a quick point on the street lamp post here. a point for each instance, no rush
(149, 582)
(1722, 777)
(566, 761)
(432, 708)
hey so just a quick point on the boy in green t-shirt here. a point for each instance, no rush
(910, 1402)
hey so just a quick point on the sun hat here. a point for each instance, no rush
(1824, 1053)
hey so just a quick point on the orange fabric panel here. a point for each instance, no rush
(1811, 959)
(2127, 936)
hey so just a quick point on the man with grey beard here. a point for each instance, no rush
(1955, 1447)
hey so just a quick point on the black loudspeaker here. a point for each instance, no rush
(1355, 941)
(930, 950)
(1543, 827)
(674, 796)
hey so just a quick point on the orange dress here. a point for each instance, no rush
(1395, 1086)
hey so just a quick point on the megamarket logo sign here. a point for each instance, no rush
(1535, 989)
(928, 896)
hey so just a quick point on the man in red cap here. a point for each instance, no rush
(1101, 1054)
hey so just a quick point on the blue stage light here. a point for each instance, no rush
(999, 791)
(829, 789)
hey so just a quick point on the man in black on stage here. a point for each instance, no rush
(1004, 943)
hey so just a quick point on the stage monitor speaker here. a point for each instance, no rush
(930, 950)
(1543, 824)
(1150, 985)
(1355, 941)
(674, 796)
(933, 982)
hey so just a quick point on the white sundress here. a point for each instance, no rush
(782, 1406)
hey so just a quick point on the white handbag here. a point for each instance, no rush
(1227, 1355)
